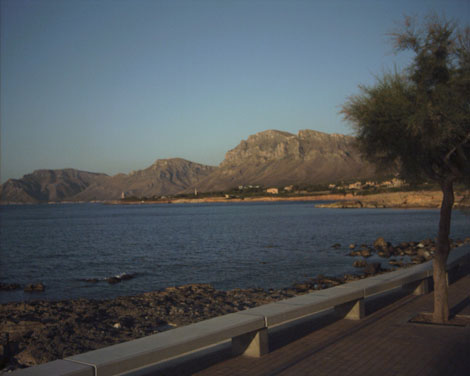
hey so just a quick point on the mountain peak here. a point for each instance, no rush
(276, 158)
(271, 157)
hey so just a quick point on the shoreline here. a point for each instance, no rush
(388, 200)
(40, 331)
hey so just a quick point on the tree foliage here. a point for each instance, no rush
(419, 120)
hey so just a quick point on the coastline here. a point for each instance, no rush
(390, 200)
(395, 200)
(222, 199)
(40, 331)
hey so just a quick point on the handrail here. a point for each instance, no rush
(246, 329)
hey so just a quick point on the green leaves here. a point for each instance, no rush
(419, 119)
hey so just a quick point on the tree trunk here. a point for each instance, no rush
(441, 303)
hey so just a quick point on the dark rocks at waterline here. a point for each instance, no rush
(380, 243)
(34, 287)
(409, 253)
(42, 331)
(360, 264)
(119, 278)
(111, 280)
(91, 280)
(9, 286)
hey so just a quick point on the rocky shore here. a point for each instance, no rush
(40, 331)
(396, 200)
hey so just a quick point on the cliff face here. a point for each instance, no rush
(280, 158)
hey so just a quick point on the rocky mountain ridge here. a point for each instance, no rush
(281, 158)
(48, 185)
(267, 158)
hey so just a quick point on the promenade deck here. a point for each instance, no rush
(383, 343)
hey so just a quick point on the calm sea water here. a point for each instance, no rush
(228, 245)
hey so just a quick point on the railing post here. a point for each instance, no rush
(422, 288)
(351, 310)
(254, 344)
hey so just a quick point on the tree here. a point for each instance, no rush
(418, 121)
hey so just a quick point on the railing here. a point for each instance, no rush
(247, 330)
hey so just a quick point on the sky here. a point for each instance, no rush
(113, 85)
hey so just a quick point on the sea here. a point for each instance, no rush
(228, 245)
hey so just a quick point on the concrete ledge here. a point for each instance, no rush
(289, 309)
(303, 305)
(57, 367)
(146, 351)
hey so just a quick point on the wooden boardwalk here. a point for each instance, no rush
(383, 343)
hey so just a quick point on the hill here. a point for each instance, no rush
(280, 158)
(269, 158)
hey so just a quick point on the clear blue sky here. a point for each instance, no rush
(111, 86)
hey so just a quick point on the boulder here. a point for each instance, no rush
(34, 287)
(366, 252)
(396, 263)
(360, 264)
(380, 243)
(384, 253)
(424, 253)
(126, 277)
(9, 286)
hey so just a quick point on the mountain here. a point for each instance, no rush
(269, 158)
(48, 185)
(280, 158)
(164, 177)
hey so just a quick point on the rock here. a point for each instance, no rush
(396, 263)
(359, 263)
(118, 278)
(410, 251)
(34, 287)
(336, 245)
(113, 280)
(372, 268)
(366, 253)
(9, 286)
(126, 277)
(380, 243)
(384, 253)
(424, 253)
(418, 259)
(352, 246)
(355, 253)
